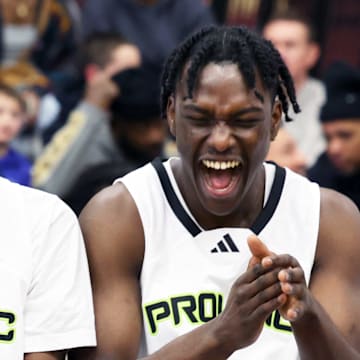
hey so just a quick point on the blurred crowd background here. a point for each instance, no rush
(80, 86)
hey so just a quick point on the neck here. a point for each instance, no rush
(243, 215)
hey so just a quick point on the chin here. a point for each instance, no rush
(219, 204)
(346, 169)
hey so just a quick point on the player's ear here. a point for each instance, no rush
(170, 115)
(276, 117)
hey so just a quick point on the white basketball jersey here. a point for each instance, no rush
(187, 271)
(45, 293)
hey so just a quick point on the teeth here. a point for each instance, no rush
(220, 165)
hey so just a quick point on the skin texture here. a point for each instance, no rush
(56, 355)
(237, 124)
(343, 144)
(292, 39)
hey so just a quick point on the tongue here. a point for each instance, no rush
(220, 179)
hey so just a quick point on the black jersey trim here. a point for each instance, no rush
(272, 202)
(173, 200)
(260, 222)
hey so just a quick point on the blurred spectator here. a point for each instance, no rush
(13, 165)
(95, 52)
(42, 110)
(294, 37)
(36, 36)
(37, 43)
(138, 128)
(339, 167)
(139, 132)
(86, 139)
(156, 26)
(285, 152)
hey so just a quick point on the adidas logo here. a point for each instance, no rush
(226, 245)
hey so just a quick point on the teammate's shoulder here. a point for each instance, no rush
(11, 189)
(34, 202)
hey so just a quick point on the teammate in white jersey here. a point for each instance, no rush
(223, 93)
(46, 303)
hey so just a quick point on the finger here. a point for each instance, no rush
(265, 295)
(260, 281)
(284, 261)
(253, 261)
(292, 275)
(293, 313)
(257, 247)
(295, 290)
(253, 281)
(264, 310)
(250, 275)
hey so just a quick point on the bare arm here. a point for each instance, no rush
(334, 310)
(56, 355)
(325, 316)
(114, 241)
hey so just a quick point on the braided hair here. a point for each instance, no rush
(237, 45)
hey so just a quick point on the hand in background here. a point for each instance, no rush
(101, 91)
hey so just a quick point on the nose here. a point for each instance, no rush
(221, 138)
(334, 147)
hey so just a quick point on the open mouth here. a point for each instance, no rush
(221, 177)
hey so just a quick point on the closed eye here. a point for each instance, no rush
(199, 121)
(247, 123)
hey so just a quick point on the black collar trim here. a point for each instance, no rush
(173, 200)
(274, 197)
(260, 222)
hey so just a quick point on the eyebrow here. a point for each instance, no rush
(195, 108)
(247, 110)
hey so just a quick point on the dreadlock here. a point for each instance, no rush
(238, 45)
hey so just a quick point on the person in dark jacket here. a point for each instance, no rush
(339, 167)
